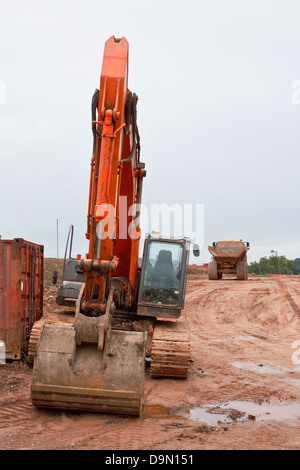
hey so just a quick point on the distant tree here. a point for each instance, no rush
(273, 264)
(254, 268)
(295, 266)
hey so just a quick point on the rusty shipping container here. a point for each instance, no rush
(21, 293)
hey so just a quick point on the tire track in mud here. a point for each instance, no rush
(289, 297)
(14, 412)
(256, 303)
(202, 301)
(258, 299)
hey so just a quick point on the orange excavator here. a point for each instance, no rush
(125, 314)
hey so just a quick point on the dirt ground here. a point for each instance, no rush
(243, 390)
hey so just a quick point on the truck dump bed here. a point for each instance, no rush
(232, 249)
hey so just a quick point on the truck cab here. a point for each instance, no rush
(163, 276)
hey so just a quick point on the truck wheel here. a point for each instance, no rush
(213, 271)
(242, 270)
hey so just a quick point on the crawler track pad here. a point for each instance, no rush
(69, 376)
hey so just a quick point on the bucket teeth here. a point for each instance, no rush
(69, 376)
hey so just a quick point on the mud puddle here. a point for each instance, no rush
(229, 412)
(259, 368)
(264, 368)
(234, 338)
(237, 411)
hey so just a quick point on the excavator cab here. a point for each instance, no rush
(163, 277)
(72, 276)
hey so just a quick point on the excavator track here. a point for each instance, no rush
(170, 355)
(35, 334)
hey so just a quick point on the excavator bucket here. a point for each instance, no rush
(83, 377)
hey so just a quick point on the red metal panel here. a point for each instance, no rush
(21, 293)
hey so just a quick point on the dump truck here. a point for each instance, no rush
(228, 257)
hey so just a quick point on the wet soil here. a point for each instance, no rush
(243, 390)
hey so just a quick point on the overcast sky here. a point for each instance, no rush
(218, 120)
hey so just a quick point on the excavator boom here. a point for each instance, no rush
(116, 173)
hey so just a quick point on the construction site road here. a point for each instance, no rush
(243, 389)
